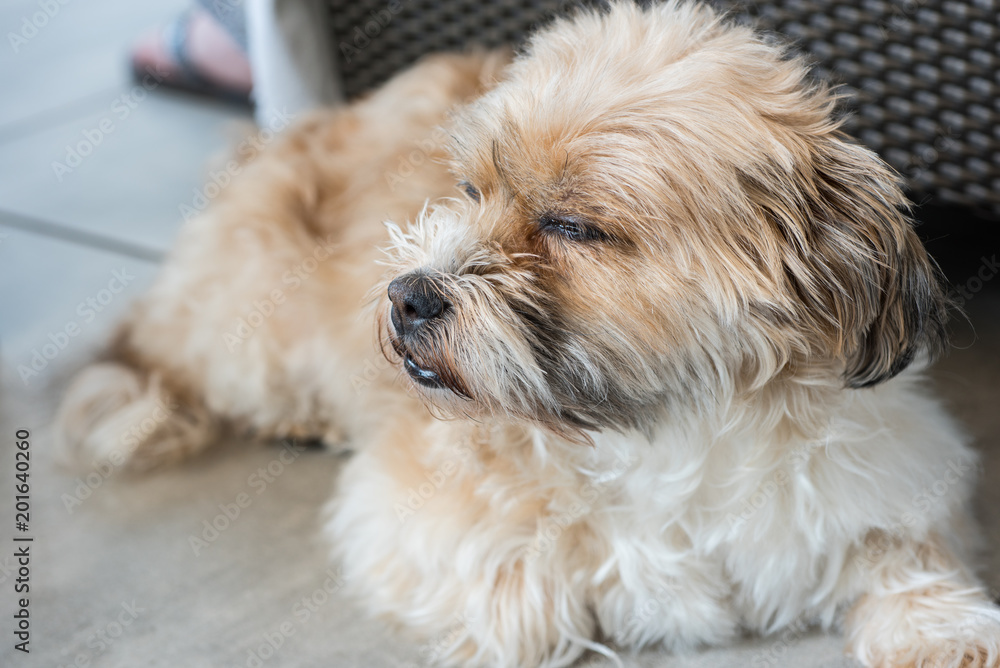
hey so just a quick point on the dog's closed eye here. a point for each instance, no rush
(571, 228)
(470, 190)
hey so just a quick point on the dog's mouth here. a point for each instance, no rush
(423, 366)
(422, 375)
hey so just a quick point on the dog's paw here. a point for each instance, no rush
(963, 649)
(935, 631)
(113, 414)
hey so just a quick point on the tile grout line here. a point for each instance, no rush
(53, 117)
(66, 233)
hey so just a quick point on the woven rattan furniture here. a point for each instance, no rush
(921, 77)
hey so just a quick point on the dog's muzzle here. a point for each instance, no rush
(416, 305)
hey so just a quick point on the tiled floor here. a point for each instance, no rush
(131, 158)
(125, 548)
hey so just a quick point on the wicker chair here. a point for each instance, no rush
(921, 75)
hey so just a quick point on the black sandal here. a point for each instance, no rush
(186, 77)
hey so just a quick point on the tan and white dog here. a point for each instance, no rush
(664, 333)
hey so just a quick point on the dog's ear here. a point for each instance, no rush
(868, 291)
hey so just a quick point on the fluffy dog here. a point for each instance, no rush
(670, 320)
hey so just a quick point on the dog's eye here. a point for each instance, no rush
(571, 228)
(470, 190)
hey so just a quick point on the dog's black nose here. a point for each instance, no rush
(415, 300)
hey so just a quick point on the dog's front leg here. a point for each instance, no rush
(436, 528)
(496, 560)
(922, 610)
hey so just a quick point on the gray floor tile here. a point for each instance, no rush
(81, 48)
(56, 300)
(123, 170)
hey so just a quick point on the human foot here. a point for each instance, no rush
(196, 54)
